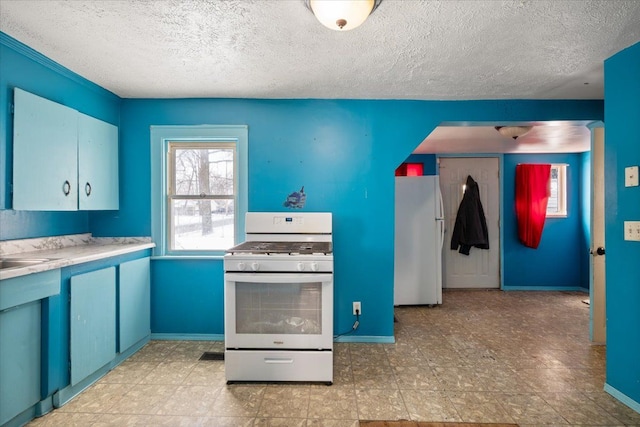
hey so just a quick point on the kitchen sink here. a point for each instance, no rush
(20, 262)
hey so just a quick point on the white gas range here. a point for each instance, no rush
(279, 299)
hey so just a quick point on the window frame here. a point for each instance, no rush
(161, 137)
(562, 211)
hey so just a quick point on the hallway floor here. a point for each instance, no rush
(483, 356)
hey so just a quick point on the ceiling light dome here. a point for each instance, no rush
(513, 131)
(342, 15)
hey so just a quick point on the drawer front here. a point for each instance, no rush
(260, 365)
(28, 288)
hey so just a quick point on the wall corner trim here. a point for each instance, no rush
(622, 397)
(187, 337)
(547, 288)
(366, 339)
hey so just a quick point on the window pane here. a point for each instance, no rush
(557, 203)
(202, 224)
(203, 171)
(552, 205)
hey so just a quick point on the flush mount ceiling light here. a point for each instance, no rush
(513, 131)
(342, 15)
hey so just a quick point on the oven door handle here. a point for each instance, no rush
(278, 277)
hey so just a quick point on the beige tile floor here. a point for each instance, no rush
(483, 356)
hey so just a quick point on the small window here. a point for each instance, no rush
(201, 196)
(199, 191)
(557, 204)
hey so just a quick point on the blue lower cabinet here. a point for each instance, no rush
(21, 344)
(103, 317)
(134, 302)
(93, 322)
(19, 359)
(61, 330)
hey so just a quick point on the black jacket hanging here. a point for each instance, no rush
(471, 225)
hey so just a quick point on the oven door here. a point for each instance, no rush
(279, 311)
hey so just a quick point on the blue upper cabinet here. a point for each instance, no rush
(45, 140)
(97, 164)
(63, 160)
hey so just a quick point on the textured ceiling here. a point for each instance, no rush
(407, 49)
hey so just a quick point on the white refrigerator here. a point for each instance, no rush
(419, 236)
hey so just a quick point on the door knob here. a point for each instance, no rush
(599, 251)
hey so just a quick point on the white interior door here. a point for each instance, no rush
(597, 291)
(480, 269)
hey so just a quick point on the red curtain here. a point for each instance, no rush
(410, 169)
(532, 194)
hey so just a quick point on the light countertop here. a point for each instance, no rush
(63, 251)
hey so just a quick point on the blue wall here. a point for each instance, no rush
(24, 68)
(192, 288)
(622, 148)
(339, 150)
(343, 151)
(561, 260)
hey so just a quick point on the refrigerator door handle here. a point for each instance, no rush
(440, 222)
(440, 217)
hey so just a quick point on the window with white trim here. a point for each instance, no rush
(557, 203)
(199, 188)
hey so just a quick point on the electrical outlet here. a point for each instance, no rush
(631, 176)
(632, 230)
(357, 307)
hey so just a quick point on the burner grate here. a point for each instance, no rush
(304, 248)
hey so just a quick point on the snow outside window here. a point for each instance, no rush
(201, 196)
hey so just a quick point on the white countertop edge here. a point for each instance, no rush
(71, 256)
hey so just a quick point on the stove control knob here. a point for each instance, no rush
(300, 266)
(314, 266)
(255, 266)
(242, 266)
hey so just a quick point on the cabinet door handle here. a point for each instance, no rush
(87, 189)
(66, 188)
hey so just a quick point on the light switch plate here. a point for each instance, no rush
(631, 176)
(632, 230)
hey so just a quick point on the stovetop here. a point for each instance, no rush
(291, 248)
